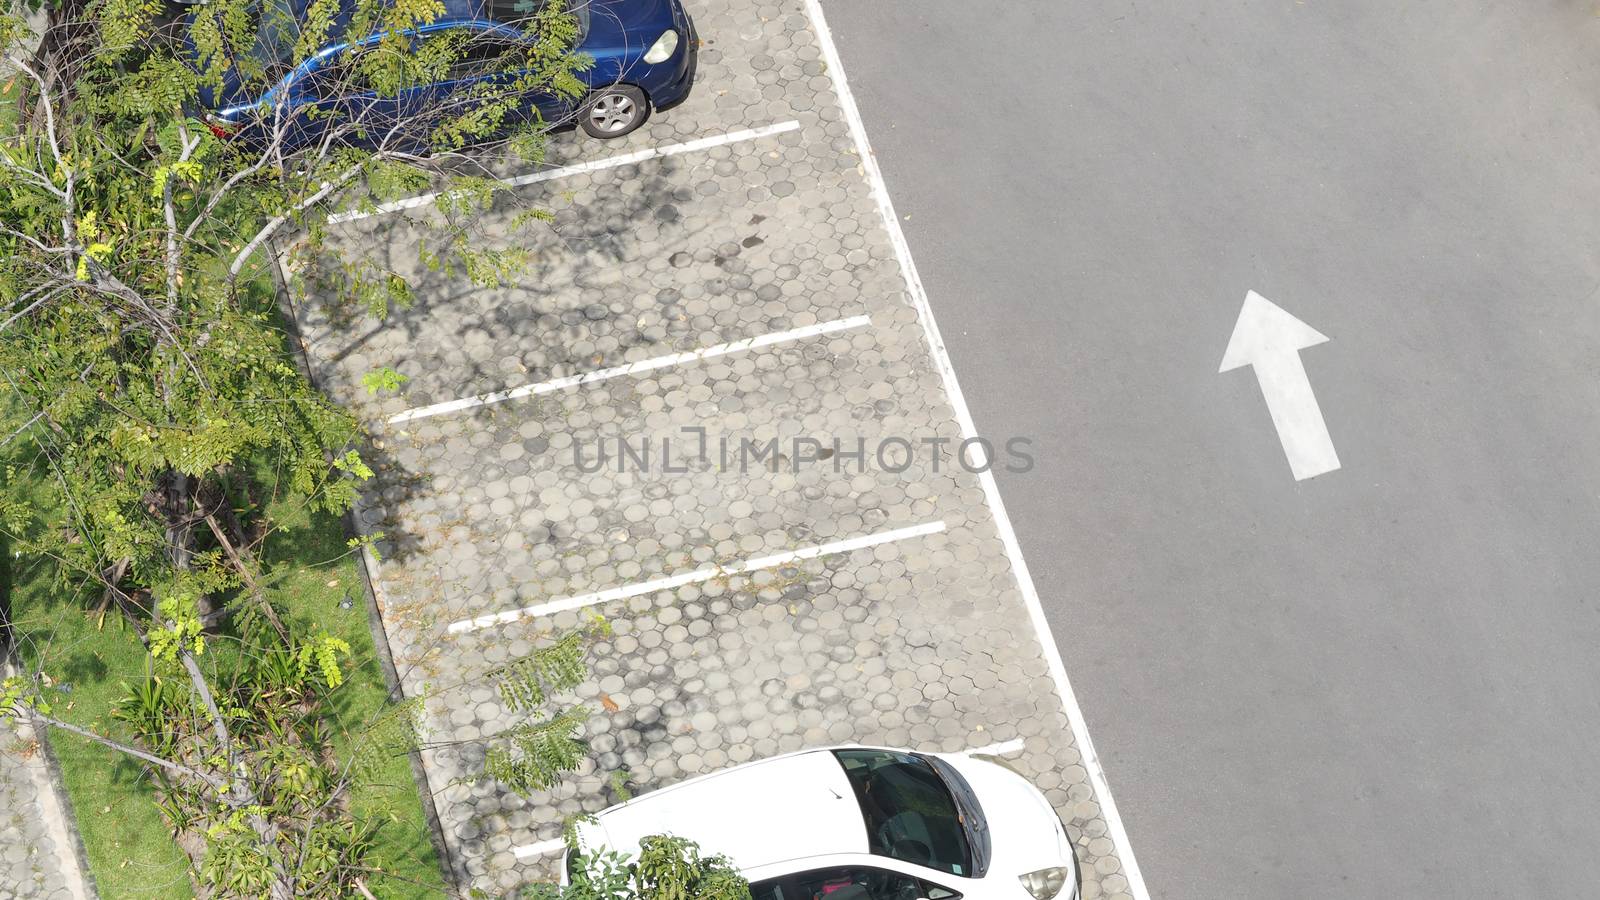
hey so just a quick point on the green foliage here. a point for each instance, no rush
(671, 868)
(181, 633)
(368, 542)
(667, 868)
(603, 875)
(618, 781)
(382, 379)
(17, 696)
(145, 374)
(526, 683)
(393, 733)
(151, 708)
(321, 655)
(533, 756)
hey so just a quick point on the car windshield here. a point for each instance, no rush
(515, 12)
(909, 812)
(276, 34)
(279, 27)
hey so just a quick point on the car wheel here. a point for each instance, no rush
(612, 112)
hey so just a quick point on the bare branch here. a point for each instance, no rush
(68, 226)
(174, 767)
(268, 230)
(31, 307)
(243, 569)
(171, 216)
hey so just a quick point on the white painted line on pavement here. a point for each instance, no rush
(634, 368)
(625, 159)
(542, 848)
(1008, 535)
(698, 575)
(1004, 748)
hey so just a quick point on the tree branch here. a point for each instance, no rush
(271, 228)
(249, 580)
(68, 224)
(169, 765)
(171, 216)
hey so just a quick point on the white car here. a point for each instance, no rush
(861, 823)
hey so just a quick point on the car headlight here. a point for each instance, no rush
(663, 48)
(1046, 883)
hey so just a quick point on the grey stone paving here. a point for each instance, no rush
(36, 860)
(923, 643)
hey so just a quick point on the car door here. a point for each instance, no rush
(520, 15)
(485, 58)
(850, 882)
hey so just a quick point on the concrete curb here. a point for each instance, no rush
(55, 807)
(380, 635)
(63, 820)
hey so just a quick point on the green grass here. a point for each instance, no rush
(311, 594)
(8, 106)
(309, 570)
(131, 853)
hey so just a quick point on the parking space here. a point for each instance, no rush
(674, 419)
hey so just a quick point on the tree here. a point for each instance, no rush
(147, 382)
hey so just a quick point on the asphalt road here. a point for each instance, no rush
(1379, 682)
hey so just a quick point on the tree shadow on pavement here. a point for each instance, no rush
(606, 283)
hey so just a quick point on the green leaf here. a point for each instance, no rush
(383, 379)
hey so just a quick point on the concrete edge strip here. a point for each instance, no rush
(623, 592)
(633, 368)
(919, 298)
(367, 567)
(610, 162)
(55, 806)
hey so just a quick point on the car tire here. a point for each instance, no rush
(614, 111)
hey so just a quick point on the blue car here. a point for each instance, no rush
(643, 51)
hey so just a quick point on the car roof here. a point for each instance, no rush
(761, 813)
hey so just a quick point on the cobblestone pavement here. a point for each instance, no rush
(36, 860)
(923, 642)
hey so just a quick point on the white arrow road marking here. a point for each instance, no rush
(1270, 340)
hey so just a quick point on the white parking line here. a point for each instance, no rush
(1003, 748)
(698, 575)
(542, 848)
(705, 143)
(1008, 535)
(645, 365)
